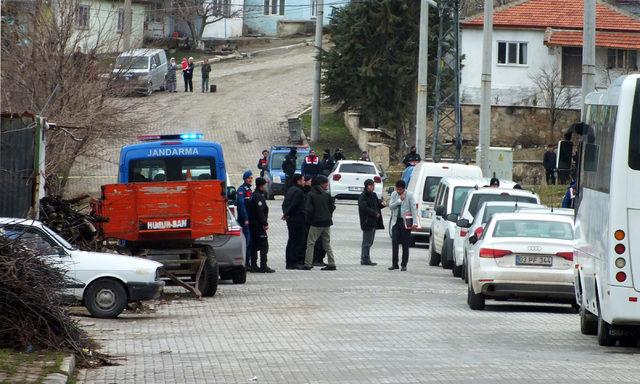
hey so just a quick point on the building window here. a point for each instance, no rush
(83, 16)
(120, 26)
(274, 7)
(571, 66)
(221, 8)
(154, 13)
(512, 53)
(622, 59)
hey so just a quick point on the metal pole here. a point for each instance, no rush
(315, 106)
(485, 92)
(588, 50)
(423, 64)
(126, 30)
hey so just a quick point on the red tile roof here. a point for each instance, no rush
(620, 40)
(563, 14)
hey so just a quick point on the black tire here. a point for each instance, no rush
(239, 275)
(465, 271)
(208, 283)
(446, 261)
(605, 339)
(588, 322)
(457, 270)
(476, 301)
(434, 258)
(105, 298)
(225, 274)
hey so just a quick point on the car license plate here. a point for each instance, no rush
(544, 261)
(356, 189)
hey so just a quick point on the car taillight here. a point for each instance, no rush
(565, 255)
(234, 231)
(463, 232)
(479, 231)
(377, 179)
(492, 253)
(337, 177)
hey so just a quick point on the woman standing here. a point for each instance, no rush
(185, 73)
(171, 76)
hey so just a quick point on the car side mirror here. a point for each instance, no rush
(231, 194)
(452, 217)
(440, 210)
(154, 66)
(463, 223)
(473, 239)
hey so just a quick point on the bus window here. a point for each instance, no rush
(634, 137)
(172, 169)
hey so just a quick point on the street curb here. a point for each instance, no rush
(245, 55)
(67, 369)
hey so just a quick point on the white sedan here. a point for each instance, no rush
(346, 181)
(103, 282)
(522, 256)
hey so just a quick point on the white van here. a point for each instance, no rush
(424, 184)
(140, 70)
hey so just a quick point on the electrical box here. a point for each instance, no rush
(500, 162)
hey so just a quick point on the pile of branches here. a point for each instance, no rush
(32, 314)
(66, 218)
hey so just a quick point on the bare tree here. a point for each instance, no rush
(43, 70)
(197, 14)
(552, 94)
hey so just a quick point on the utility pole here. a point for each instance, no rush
(315, 106)
(423, 65)
(126, 28)
(485, 92)
(588, 50)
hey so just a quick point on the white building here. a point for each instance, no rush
(231, 17)
(533, 35)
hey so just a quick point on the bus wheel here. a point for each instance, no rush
(588, 322)
(605, 338)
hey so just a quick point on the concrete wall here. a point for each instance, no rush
(256, 21)
(368, 139)
(102, 33)
(226, 28)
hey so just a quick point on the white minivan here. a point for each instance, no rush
(140, 70)
(424, 184)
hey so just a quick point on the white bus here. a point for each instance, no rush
(607, 246)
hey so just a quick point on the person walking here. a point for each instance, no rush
(188, 75)
(263, 162)
(289, 167)
(319, 208)
(293, 214)
(403, 219)
(369, 207)
(171, 75)
(411, 158)
(259, 227)
(243, 202)
(549, 164)
(205, 69)
(311, 165)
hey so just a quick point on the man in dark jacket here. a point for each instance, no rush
(319, 209)
(259, 226)
(370, 219)
(338, 155)
(411, 158)
(289, 167)
(311, 165)
(549, 164)
(293, 213)
(263, 162)
(243, 200)
(327, 162)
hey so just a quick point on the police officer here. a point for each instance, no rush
(411, 158)
(243, 201)
(293, 213)
(311, 165)
(259, 226)
(289, 167)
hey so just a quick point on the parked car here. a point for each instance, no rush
(103, 282)
(275, 175)
(522, 256)
(346, 181)
(230, 250)
(140, 71)
(549, 210)
(472, 204)
(450, 197)
(466, 229)
(424, 185)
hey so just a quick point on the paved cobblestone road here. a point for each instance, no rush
(355, 325)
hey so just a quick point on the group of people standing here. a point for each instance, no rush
(187, 66)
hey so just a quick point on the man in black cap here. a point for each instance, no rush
(370, 219)
(293, 213)
(289, 167)
(319, 210)
(411, 158)
(494, 183)
(259, 226)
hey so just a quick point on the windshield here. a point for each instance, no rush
(459, 197)
(58, 238)
(132, 62)
(172, 169)
(634, 137)
(278, 158)
(365, 169)
(533, 228)
(478, 199)
(430, 188)
(492, 210)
